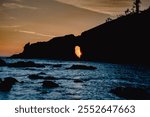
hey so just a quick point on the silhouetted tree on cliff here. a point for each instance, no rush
(108, 19)
(137, 5)
(127, 12)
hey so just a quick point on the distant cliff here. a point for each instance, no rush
(57, 48)
(123, 40)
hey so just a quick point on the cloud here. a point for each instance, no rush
(101, 6)
(10, 26)
(17, 0)
(16, 5)
(12, 18)
(35, 33)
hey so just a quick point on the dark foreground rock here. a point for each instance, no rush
(131, 93)
(37, 77)
(7, 83)
(2, 62)
(49, 84)
(25, 64)
(83, 67)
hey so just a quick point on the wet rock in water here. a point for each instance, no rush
(78, 81)
(131, 93)
(57, 65)
(83, 67)
(25, 64)
(7, 83)
(49, 84)
(37, 77)
(2, 62)
(10, 80)
(49, 78)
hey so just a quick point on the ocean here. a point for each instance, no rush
(96, 84)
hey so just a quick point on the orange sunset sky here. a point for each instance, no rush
(23, 21)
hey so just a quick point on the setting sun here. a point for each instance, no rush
(78, 51)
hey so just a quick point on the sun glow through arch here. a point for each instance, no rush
(78, 51)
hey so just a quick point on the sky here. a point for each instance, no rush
(23, 21)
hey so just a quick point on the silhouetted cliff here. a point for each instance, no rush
(57, 48)
(123, 40)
